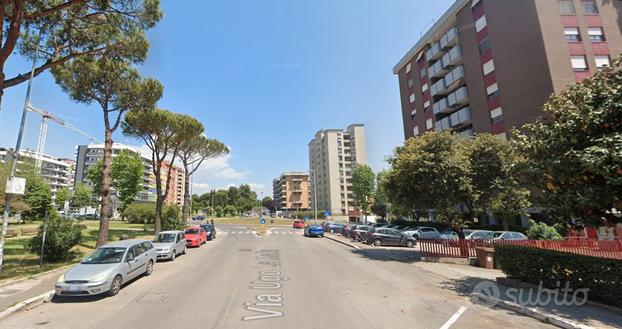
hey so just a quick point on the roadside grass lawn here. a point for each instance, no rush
(19, 263)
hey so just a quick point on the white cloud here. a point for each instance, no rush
(212, 173)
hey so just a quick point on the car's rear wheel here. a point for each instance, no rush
(377, 243)
(173, 255)
(410, 244)
(184, 252)
(115, 286)
(149, 268)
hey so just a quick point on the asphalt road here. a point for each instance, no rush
(281, 280)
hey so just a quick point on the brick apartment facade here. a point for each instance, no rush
(490, 65)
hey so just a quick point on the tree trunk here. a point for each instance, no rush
(186, 207)
(157, 224)
(106, 199)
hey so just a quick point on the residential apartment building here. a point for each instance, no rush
(490, 65)
(89, 155)
(178, 180)
(291, 192)
(332, 155)
(55, 171)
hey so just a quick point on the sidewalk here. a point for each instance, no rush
(20, 290)
(470, 281)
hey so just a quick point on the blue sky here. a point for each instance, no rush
(263, 76)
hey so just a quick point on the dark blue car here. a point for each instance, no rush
(314, 230)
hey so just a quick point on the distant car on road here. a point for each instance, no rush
(348, 229)
(314, 230)
(107, 269)
(360, 233)
(210, 230)
(380, 225)
(390, 237)
(169, 244)
(298, 224)
(508, 236)
(195, 236)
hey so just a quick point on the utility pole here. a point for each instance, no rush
(15, 157)
(314, 194)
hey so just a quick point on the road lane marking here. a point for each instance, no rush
(454, 318)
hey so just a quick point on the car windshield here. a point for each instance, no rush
(105, 255)
(207, 227)
(165, 237)
(192, 231)
(497, 234)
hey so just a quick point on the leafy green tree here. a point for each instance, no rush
(431, 172)
(363, 186)
(380, 206)
(496, 178)
(62, 195)
(267, 203)
(70, 29)
(192, 153)
(38, 194)
(82, 196)
(117, 88)
(163, 132)
(230, 210)
(575, 152)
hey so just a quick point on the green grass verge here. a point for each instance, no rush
(19, 263)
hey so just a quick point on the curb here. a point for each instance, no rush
(35, 276)
(28, 304)
(530, 312)
(342, 242)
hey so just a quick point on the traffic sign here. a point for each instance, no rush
(306, 218)
(262, 221)
(327, 214)
(15, 185)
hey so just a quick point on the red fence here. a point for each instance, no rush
(466, 248)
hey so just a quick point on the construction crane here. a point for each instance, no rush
(45, 116)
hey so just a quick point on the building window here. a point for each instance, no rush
(484, 45)
(416, 130)
(408, 67)
(589, 7)
(572, 34)
(596, 34)
(602, 61)
(422, 72)
(412, 98)
(579, 63)
(480, 24)
(424, 88)
(426, 105)
(492, 91)
(411, 83)
(429, 124)
(566, 7)
(496, 115)
(488, 67)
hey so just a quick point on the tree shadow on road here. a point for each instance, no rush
(390, 254)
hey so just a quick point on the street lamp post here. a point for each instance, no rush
(314, 194)
(18, 145)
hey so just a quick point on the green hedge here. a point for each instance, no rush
(532, 265)
(144, 213)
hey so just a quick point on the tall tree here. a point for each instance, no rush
(192, 153)
(431, 172)
(363, 186)
(116, 87)
(126, 174)
(70, 29)
(496, 178)
(63, 194)
(82, 196)
(575, 152)
(164, 133)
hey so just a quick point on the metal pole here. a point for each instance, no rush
(18, 145)
(314, 194)
(45, 230)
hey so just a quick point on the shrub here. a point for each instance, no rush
(171, 219)
(541, 231)
(62, 235)
(140, 213)
(600, 275)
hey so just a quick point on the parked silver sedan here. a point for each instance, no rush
(108, 268)
(169, 244)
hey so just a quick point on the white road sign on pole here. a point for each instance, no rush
(15, 185)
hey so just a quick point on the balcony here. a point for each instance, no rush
(435, 52)
(460, 118)
(436, 70)
(458, 98)
(440, 106)
(442, 124)
(452, 58)
(450, 38)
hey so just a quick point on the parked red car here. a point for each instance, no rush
(195, 236)
(299, 224)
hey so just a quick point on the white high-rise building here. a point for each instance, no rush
(332, 155)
